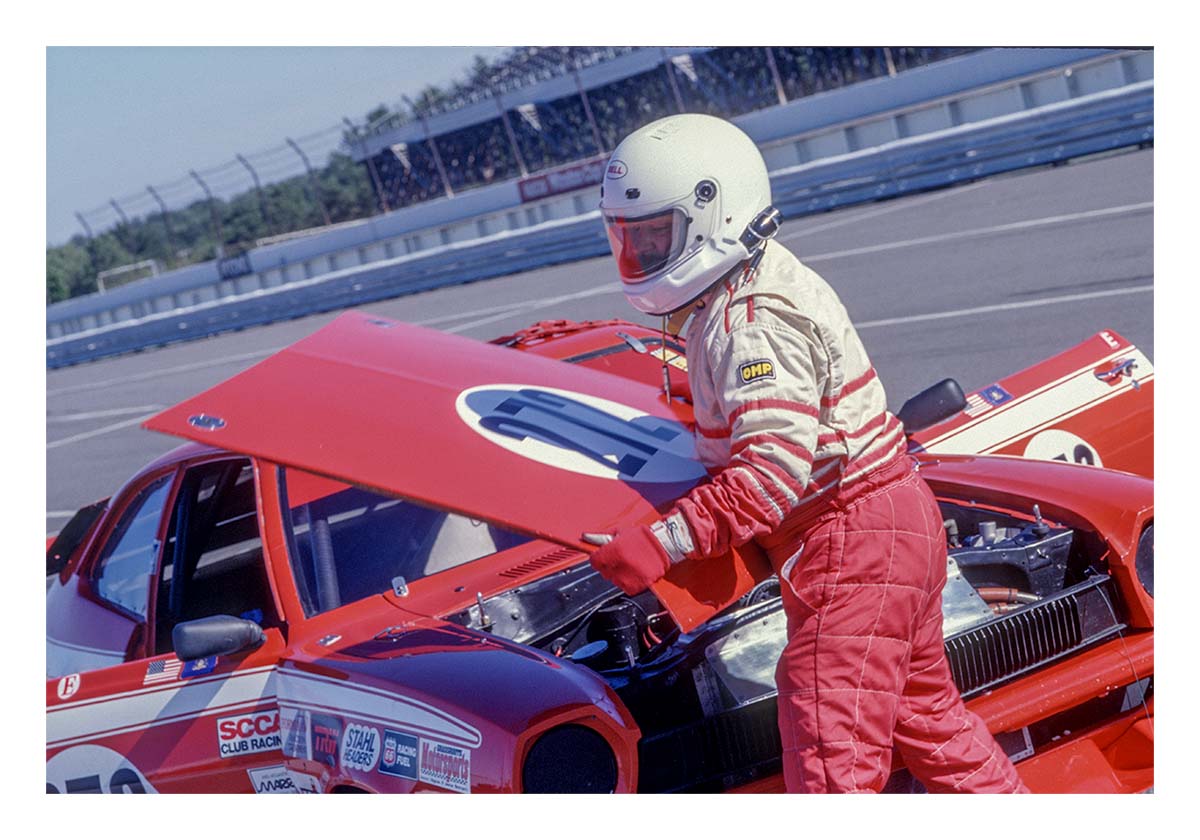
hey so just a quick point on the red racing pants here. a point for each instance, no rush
(864, 669)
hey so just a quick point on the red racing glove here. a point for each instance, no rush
(637, 557)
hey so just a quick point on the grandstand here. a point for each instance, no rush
(539, 108)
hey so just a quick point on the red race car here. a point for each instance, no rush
(365, 573)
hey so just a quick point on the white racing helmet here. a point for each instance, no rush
(678, 198)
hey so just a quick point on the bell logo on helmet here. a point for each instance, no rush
(616, 169)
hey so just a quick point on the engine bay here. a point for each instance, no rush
(1020, 592)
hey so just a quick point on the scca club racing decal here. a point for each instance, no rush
(756, 370)
(248, 734)
(92, 769)
(360, 747)
(581, 433)
(1060, 445)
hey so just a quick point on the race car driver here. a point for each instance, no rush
(792, 423)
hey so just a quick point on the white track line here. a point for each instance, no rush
(93, 415)
(103, 430)
(890, 207)
(1001, 307)
(976, 232)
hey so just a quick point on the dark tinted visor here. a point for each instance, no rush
(644, 244)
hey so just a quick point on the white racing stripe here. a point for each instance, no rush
(315, 693)
(1041, 408)
(140, 709)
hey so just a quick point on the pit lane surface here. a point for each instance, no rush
(974, 281)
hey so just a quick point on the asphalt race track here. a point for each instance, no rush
(974, 281)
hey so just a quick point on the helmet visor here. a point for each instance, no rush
(644, 244)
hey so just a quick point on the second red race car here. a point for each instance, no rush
(365, 573)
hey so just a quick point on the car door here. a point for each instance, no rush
(185, 545)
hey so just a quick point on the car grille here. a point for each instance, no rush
(738, 745)
(1011, 645)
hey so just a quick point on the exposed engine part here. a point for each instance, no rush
(962, 607)
(617, 624)
(1028, 556)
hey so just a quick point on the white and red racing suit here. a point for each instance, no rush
(805, 458)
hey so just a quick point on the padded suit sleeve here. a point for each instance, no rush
(767, 375)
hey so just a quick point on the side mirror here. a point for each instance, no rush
(216, 635)
(933, 405)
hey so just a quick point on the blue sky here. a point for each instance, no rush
(121, 118)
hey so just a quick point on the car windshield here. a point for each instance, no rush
(347, 543)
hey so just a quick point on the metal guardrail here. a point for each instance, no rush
(1050, 134)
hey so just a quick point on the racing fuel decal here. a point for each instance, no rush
(360, 747)
(248, 734)
(581, 433)
(89, 768)
(67, 686)
(400, 755)
(445, 766)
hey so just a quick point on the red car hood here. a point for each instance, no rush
(530, 443)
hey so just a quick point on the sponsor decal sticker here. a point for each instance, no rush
(89, 768)
(294, 731)
(279, 779)
(360, 747)
(272, 780)
(400, 755)
(446, 767)
(756, 370)
(616, 169)
(162, 670)
(248, 734)
(326, 738)
(199, 667)
(67, 686)
(581, 433)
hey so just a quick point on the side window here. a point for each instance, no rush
(214, 563)
(347, 543)
(127, 563)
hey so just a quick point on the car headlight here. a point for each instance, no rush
(570, 759)
(1144, 562)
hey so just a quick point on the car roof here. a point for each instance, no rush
(526, 442)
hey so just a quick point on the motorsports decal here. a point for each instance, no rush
(445, 766)
(581, 433)
(247, 734)
(326, 738)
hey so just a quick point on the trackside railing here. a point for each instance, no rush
(1099, 122)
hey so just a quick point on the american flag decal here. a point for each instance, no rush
(162, 670)
(976, 405)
